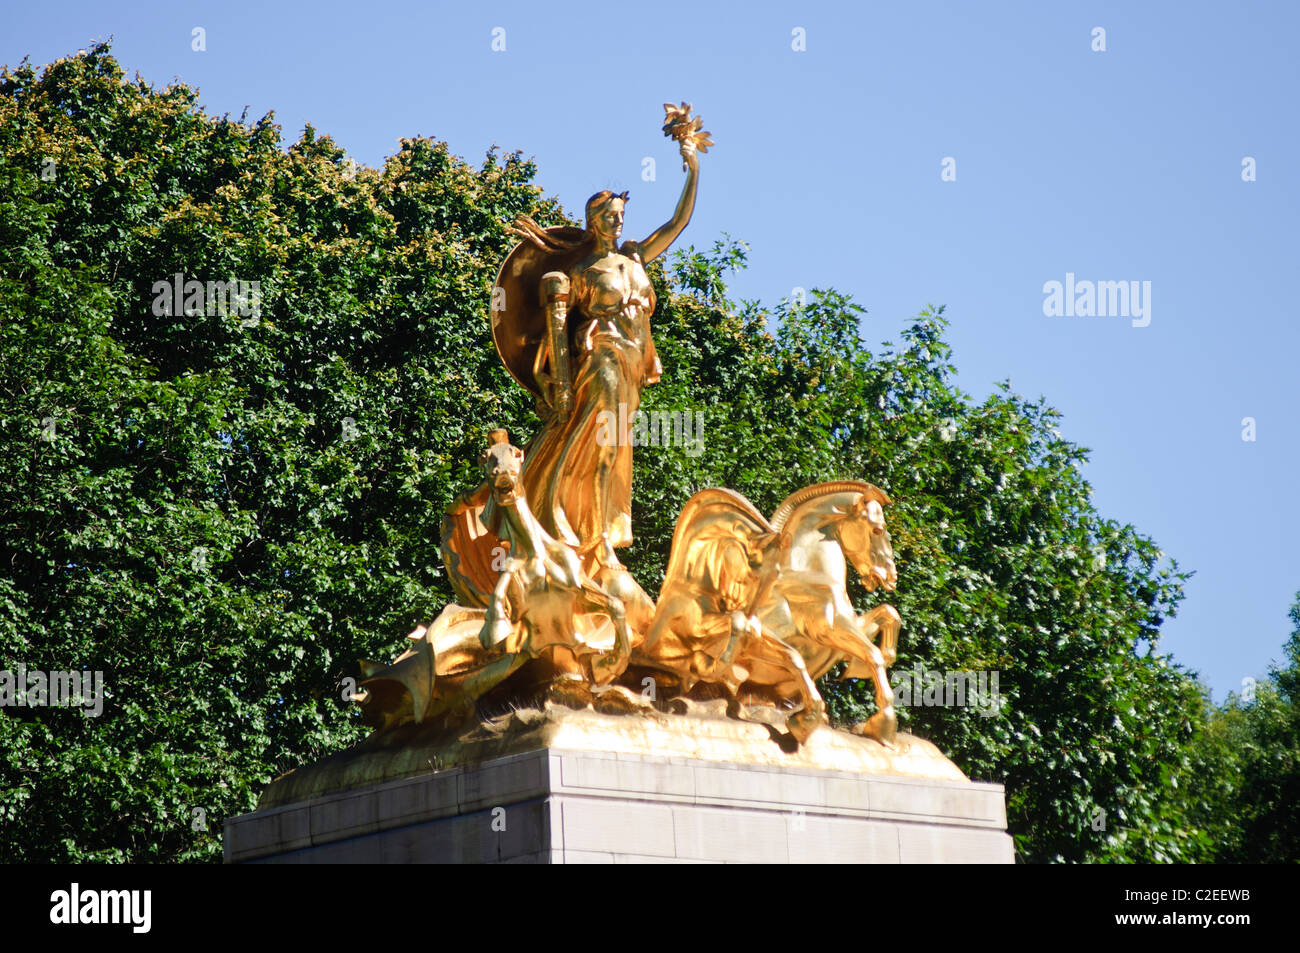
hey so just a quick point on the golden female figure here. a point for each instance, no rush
(580, 464)
(578, 469)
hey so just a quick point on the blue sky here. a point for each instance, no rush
(1122, 165)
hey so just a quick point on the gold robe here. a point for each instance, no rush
(574, 462)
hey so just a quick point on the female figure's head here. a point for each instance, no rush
(605, 216)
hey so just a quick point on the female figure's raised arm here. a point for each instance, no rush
(663, 236)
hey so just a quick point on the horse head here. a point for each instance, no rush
(852, 513)
(862, 535)
(502, 464)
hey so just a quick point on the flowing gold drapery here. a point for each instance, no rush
(579, 470)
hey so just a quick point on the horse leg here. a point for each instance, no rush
(638, 607)
(708, 633)
(740, 630)
(883, 621)
(769, 649)
(883, 725)
(607, 667)
(670, 642)
(868, 661)
(497, 624)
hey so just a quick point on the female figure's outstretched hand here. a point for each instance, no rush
(690, 158)
(686, 130)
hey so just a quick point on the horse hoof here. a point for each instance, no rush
(606, 668)
(883, 726)
(802, 724)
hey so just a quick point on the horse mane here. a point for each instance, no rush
(799, 497)
(679, 556)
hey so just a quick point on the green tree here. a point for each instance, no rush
(221, 513)
(224, 512)
(1004, 564)
(1246, 794)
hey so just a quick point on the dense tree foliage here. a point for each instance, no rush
(223, 511)
(1246, 798)
(222, 514)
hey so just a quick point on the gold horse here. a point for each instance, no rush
(544, 606)
(761, 605)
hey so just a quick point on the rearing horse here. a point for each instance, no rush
(808, 608)
(762, 606)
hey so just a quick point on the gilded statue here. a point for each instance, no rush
(751, 608)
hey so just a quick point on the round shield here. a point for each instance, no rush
(518, 313)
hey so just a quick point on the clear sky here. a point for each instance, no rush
(1122, 165)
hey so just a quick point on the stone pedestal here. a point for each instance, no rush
(559, 804)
